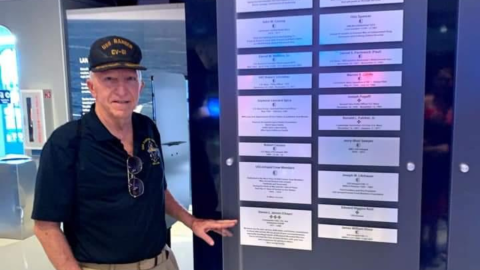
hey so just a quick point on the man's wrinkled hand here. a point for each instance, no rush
(201, 227)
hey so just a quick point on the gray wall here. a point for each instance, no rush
(38, 27)
(171, 110)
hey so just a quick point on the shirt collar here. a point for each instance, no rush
(101, 133)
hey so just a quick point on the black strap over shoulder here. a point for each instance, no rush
(79, 129)
(77, 141)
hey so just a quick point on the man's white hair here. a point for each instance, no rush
(139, 75)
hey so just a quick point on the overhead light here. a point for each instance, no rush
(7, 40)
(443, 29)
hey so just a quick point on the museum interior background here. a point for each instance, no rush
(182, 42)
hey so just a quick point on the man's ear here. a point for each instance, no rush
(142, 86)
(91, 88)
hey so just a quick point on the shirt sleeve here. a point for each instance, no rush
(55, 182)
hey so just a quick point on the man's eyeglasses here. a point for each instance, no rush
(135, 185)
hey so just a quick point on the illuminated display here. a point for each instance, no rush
(11, 137)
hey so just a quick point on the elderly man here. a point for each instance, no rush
(103, 177)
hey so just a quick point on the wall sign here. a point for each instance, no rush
(5, 97)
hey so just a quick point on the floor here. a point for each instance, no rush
(182, 245)
(28, 254)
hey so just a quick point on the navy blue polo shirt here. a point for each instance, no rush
(82, 182)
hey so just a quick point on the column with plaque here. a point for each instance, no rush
(321, 132)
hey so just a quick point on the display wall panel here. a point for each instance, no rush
(362, 116)
(464, 187)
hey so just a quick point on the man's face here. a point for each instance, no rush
(116, 91)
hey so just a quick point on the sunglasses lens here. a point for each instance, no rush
(136, 187)
(134, 165)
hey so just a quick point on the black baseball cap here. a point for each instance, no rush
(114, 52)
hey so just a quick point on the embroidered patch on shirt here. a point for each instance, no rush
(151, 147)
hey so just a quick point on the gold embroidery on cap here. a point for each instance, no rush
(106, 45)
(107, 65)
(122, 41)
(116, 65)
(131, 65)
(117, 52)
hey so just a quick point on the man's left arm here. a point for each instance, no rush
(200, 227)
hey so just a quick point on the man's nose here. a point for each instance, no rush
(122, 89)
